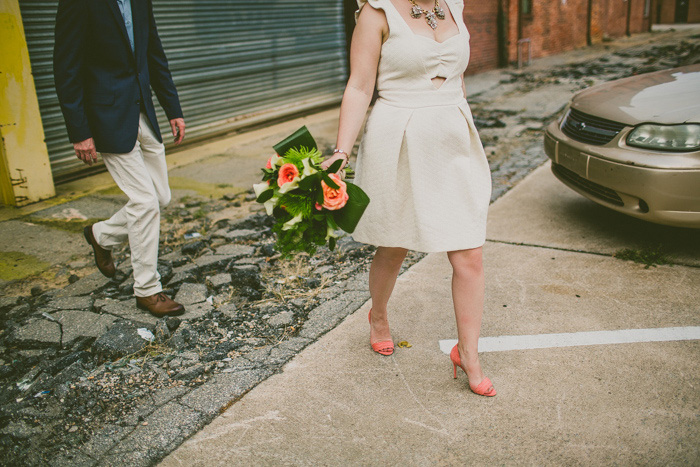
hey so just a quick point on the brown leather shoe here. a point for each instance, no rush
(103, 258)
(160, 305)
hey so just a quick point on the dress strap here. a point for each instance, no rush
(389, 11)
(376, 4)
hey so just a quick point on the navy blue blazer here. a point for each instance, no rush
(102, 85)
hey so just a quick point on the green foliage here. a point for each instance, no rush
(296, 203)
(305, 236)
(648, 256)
(296, 156)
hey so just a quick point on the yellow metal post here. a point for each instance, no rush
(25, 170)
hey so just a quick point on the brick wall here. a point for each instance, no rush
(554, 26)
(559, 25)
(615, 17)
(481, 18)
(638, 22)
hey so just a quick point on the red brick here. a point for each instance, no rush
(559, 25)
(481, 18)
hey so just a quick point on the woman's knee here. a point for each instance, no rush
(467, 262)
(391, 254)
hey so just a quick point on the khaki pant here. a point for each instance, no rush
(142, 175)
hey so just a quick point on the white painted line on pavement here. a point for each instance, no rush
(573, 339)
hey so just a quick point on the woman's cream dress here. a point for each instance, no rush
(420, 160)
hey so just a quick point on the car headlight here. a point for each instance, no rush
(684, 137)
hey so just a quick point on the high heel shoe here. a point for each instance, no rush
(485, 388)
(383, 347)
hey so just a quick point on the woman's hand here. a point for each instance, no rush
(328, 162)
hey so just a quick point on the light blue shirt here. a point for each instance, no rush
(125, 8)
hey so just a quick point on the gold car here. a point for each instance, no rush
(633, 145)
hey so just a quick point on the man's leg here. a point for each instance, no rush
(114, 231)
(154, 158)
(139, 218)
(142, 175)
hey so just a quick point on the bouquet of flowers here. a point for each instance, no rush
(309, 203)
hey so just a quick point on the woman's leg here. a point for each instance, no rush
(468, 297)
(382, 277)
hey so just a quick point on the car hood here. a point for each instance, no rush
(666, 97)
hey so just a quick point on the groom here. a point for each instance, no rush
(107, 57)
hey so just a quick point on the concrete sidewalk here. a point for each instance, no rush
(549, 270)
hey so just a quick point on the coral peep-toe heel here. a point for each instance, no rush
(383, 347)
(485, 388)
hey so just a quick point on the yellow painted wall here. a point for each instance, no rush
(25, 171)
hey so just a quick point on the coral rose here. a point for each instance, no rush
(288, 172)
(335, 199)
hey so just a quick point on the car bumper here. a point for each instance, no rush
(669, 196)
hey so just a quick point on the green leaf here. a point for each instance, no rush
(331, 243)
(265, 195)
(348, 217)
(329, 181)
(335, 166)
(299, 138)
(309, 182)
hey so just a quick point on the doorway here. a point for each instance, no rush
(681, 11)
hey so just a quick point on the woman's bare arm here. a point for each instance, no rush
(365, 48)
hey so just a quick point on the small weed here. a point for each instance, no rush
(290, 288)
(199, 214)
(647, 256)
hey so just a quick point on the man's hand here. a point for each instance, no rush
(86, 152)
(178, 127)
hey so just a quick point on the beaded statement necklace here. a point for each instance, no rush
(431, 16)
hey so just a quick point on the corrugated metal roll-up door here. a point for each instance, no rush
(234, 63)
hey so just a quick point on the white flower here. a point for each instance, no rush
(291, 222)
(330, 233)
(270, 205)
(289, 186)
(308, 170)
(260, 187)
